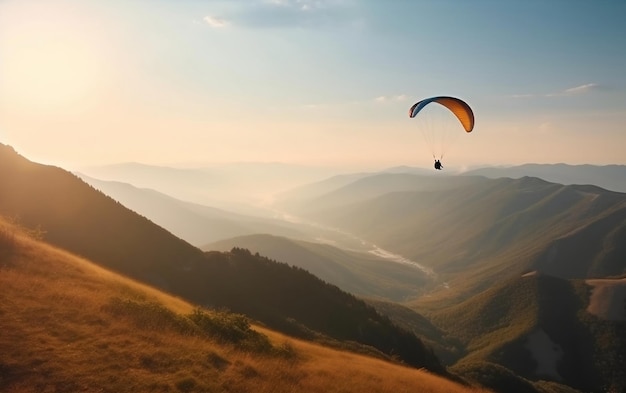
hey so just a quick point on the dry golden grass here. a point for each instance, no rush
(56, 336)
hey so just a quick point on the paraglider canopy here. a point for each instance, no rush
(439, 122)
(458, 107)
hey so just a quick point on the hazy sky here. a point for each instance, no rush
(310, 81)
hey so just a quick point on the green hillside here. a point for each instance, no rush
(537, 326)
(447, 347)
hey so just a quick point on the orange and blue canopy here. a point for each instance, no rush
(458, 107)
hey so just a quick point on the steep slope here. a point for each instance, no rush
(75, 216)
(492, 318)
(447, 348)
(69, 325)
(597, 249)
(537, 326)
(192, 222)
(360, 273)
(292, 300)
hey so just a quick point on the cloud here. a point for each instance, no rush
(577, 90)
(294, 13)
(394, 98)
(306, 5)
(522, 95)
(582, 88)
(216, 22)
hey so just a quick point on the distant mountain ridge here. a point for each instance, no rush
(234, 186)
(197, 224)
(610, 177)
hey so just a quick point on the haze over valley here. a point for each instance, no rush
(312, 196)
(486, 273)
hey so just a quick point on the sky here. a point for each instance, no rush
(314, 82)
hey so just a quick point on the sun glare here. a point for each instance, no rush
(49, 58)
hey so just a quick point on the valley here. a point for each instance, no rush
(496, 289)
(316, 196)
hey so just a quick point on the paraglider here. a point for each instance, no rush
(440, 123)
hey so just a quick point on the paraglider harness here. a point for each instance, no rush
(438, 165)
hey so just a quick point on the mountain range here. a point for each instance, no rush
(473, 231)
(236, 187)
(515, 264)
(515, 284)
(610, 177)
(198, 224)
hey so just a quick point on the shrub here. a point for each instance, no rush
(186, 384)
(231, 328)
(286, 350)
(225, 327)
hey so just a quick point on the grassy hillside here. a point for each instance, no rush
(497, 316)
(362, 274)
(292, 300)
(75, 216)
(69, 325)
(447, 347)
